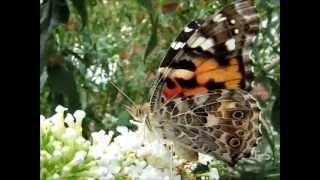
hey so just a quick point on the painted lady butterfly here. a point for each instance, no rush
(200, 100)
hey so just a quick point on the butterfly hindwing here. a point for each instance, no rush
(221, 123)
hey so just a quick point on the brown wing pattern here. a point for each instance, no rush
(221, 123)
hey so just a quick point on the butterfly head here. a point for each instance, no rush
(140, 113)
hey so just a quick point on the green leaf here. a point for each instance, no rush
(83, 99)
(80, 5)
(153, 40)
(52, 13)
(62, 83)
(275, 116)
(268, 135)
(200, 168)
(275, 113)
(43, 80)
(47, 47)
(146, 4)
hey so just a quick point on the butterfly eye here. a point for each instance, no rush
(234, 142)
(238, 115)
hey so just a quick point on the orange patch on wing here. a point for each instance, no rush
(198, 61)
(170, 93)
(226, 74)
(208, 65)
(234, 61)
(203, 78)
(211, 70)
(194, 91)
(232, 84)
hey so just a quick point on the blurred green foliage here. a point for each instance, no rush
(87, 43)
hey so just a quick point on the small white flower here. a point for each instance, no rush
(78, 158)
(122, 129)
(99, 171)
(55, 177)
(69, 134)
(128, 140)
(101, 137)
(150, 171)
(57, 154)
(42, 118)
(45, 155)
(69, 120)
(140, 163)
(156, 155)
(57, 145)
(205, 159)
(45, 125)
(81, 141)
(95, 152)
(107, 177)
(132, 171)
(60, 109)
(66, 169)
(79, 115)
(65, 149)
(213, 174)
(115, 169)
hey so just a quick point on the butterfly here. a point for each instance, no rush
(200, 98)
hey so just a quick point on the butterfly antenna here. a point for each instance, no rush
(121, 92)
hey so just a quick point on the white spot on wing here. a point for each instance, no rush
(230, 44)
(177, 45)
(200, 100)
(197, 42)
(232, 21)
(211, 120)
(187, 29)
(181, 73)
(218, 18)
(208, 43)
(164, 71)
(193, 37)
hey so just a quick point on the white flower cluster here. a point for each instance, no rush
(65, 154)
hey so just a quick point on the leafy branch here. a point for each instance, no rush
(272, 65)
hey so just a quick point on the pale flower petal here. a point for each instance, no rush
(69, 120)
(204, 159)
(42, 118)
(101, 137)
(78, 158)
(79, 115)
(122, 129)
(69, 133)
(214, 174)
(60, 109)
